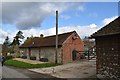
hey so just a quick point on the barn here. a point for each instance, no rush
(107, 41)
(44, 47)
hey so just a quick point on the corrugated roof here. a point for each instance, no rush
(110, 29)
(46, 41)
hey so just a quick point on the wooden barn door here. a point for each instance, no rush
(74, 55)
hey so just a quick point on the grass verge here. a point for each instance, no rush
(20, 64)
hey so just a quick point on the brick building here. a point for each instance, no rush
(44, 47)
(108, 49)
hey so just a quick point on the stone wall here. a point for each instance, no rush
(35, 52)
(49, 52)
(44, 52)
(107, 50)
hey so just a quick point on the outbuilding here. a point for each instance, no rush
(44, 47)
(108, 49)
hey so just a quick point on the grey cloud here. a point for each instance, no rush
(27, 15)
(12, 11)
(2, 36)
(29, 23)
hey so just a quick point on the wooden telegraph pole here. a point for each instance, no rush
(56, 51)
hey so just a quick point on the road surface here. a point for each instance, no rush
(0, 71)
(12, 73)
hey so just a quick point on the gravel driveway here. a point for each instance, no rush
(79, 69)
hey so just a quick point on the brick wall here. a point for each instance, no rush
(70, 45)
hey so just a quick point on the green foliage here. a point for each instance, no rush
(20, 35)
(20, 64)
(6, 46)
(7, 41)
(86, 53)
(28, 39)
(16, 40)
(8, 57)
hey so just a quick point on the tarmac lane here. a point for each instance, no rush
(0, 71)
(12, 73)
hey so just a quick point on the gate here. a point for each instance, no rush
(77, 55)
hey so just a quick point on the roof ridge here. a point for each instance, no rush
(62, 33)
(55, 35)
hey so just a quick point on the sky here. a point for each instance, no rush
(35, 18)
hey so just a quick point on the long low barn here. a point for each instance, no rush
(44, 47)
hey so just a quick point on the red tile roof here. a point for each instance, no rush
(46, 41)
(110, 29)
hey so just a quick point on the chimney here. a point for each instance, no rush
(41, 35)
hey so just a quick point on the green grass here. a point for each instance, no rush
(20, 64)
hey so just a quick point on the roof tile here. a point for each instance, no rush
(110, 29)
(46, 41)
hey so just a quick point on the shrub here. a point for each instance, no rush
(32, 58)
(9, 57)
(24, 57)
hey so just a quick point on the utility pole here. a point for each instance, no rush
(56, 51)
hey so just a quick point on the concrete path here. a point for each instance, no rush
(81, 69)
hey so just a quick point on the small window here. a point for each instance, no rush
(75, 37)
